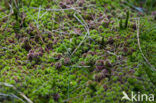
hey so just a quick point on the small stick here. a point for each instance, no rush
(87, 29)
(11, 12)
(12, 95)
(59, 9)
(112, 53)
(138, 32)
(22, 94)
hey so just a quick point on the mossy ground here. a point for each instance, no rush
(87, 54)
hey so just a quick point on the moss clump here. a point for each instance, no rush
(51, 55)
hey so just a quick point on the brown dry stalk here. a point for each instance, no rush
(138, 32)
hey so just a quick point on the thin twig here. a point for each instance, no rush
(11, 12)
(59, 9)
(80, 66)
(138, 32)
(112, 53)
(12, 96)
(38, 16)
(21, 94)
(38, 32)
(15, 3)
(72, 8)
(43, 14)
(87, 29)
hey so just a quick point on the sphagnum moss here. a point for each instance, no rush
(107, 63)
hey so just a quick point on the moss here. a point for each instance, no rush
(105, 64)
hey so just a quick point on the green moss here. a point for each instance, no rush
(56, 76)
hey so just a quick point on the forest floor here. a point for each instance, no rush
(84, 51)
